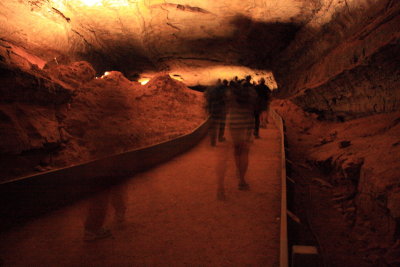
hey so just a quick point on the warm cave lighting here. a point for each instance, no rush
(143, 81)
(176, 77)
(92, 2)
(109, 3)
(105, 74)
(208, 75)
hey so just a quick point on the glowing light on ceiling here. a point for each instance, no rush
(143, 81)
(208, 75)
(92, 2)
(107, 3)
(117, 3)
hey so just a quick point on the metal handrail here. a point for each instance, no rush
(283, 250)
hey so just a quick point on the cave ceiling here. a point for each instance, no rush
(141, 34)
(138, 36)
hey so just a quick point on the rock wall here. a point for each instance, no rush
(366, 89)
(339, 73)
(359, 161)
(349, 67)
(31, 105)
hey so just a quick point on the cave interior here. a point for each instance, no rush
(333, 66)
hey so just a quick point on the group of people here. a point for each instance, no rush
(226, 97)
(239, 104)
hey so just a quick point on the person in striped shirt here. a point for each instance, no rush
(241, 101)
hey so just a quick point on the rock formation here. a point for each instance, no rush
(64, 115)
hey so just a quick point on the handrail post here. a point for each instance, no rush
(283, 251)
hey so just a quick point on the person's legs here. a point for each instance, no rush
(266, 114)
(118, 202)
(221, 132)
(221, 164)
(244, 160)
(263, 122)
(236, 154)
(213, 132)
(96, 216)
(243, 166)
(241, 145)
(241, 154)
(96, 212)
(256, 124)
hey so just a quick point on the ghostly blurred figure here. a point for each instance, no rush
(97, 212)
(240, 108)
(216, 108)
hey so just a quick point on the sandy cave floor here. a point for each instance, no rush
(173, 218)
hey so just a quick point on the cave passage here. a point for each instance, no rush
(173, 217)
(81, 80)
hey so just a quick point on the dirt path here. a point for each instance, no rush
(173, 218)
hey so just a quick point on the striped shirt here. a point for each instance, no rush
(241, 109)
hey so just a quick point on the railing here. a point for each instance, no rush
(283, 250)
(30, 196)
(300, 255)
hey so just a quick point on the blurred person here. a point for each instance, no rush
(240, 108)
(216, 108)
(97, 212)
(234, 82)
(262, 105)
(246, 83)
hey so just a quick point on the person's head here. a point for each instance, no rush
(236, 78)
(262, 81)
(248, 78)
(225, 82)
(219, 81)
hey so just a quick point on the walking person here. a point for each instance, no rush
(240, 109)
(262, 105)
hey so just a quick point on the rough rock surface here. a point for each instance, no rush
(364, 90)
(112, 114)
(360, 162)
(349, 67)
(332, 56)
(100, 116)
(126, 35)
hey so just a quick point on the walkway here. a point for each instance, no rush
(173, 218)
